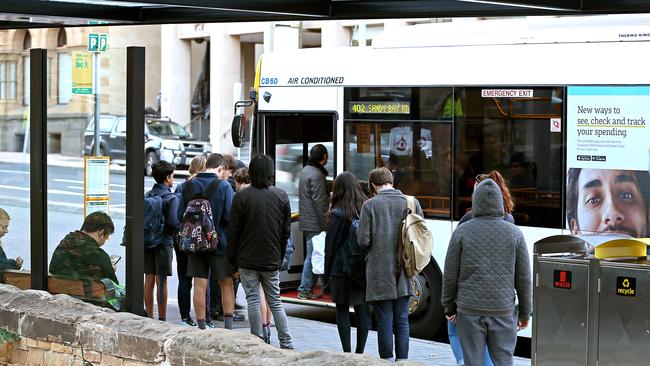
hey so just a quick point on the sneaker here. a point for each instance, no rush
(289, 346)
(209, 325)
(188, 321)
(309, 295)
(238, 317)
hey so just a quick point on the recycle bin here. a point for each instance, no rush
(623, 303)
(561, 276)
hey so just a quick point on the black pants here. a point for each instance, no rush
(362, 314)
(184, 285)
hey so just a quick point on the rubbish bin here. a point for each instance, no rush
(561, 275)
(623, 303)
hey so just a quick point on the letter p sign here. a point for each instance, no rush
(93, 42)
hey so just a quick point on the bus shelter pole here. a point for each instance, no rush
(38, 167)
(135, 61)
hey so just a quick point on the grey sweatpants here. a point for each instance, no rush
(499, 333)
(270, 282)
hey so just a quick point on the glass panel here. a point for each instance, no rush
(288, 165)
(418, 169)
(15, 225)
(512, 136)
(404, 130)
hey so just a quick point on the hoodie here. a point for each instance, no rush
(487, 263)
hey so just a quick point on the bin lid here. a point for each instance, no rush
(561, 244)
(624, 247)
(577, 244)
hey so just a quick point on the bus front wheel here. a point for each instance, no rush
(426, 314)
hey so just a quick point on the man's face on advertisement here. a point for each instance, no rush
(610, 201)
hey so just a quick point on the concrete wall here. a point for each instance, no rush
(59, 330)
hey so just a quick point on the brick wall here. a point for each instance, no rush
(60, 330)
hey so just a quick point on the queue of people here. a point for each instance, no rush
(246, 235)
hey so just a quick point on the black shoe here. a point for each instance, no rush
(188, 321)
(238, 317)
(209, 325)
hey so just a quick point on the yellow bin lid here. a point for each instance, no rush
(620, 248)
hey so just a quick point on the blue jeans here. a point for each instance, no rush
(454, 342)
(308, 277)
(392, 317)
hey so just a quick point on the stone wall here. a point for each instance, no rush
(60, 330)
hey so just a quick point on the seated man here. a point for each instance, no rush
(79, 254)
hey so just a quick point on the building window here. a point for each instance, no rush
(26, 79)
(61, 38)
(3, 81)
(12, 80)
(64, 78)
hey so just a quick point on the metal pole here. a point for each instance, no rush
(96, 100)
(135, 60)
(38, 167)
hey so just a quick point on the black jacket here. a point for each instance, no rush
(337, 234)
(260, 224)
(6, 263)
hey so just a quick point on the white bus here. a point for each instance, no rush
(440, 103)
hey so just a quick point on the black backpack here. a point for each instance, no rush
(351, 256)
(154, 219)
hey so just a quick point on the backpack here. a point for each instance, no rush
(416, 241)
(154, 219)
(352, 257)
(198, 231)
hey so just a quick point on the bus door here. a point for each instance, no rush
(288, 139)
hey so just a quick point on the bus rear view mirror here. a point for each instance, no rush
(238, 129)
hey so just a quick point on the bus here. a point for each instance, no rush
(439, 104)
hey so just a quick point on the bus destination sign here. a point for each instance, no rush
(382, 107)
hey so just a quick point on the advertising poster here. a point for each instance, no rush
(96, 184)
(608, 178)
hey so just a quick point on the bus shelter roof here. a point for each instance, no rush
(56, 13)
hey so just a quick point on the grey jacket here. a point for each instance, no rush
(379, 232)
(487, 261)
(313, 199)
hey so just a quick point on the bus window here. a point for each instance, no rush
(406, 149)
(511, 134)
(391, 127)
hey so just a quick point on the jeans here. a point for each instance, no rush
(270, 281)
(184, 285)
(392, 317)
(454, 342)
(499, 333)
(308, 278)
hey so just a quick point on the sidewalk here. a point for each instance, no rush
(310, 335)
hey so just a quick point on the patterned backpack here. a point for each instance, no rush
(198, 231)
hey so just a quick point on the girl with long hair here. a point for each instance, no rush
(347, 286)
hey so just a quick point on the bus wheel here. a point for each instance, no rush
(425, 311)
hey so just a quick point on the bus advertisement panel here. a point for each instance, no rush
(608, 182)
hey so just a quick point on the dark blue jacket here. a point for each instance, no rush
(221, 203)
(170, 211)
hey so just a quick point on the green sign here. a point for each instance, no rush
(97, 42)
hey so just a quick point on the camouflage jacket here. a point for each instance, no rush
(79, 256)
(6, 263)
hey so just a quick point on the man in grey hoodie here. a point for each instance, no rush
(479, 295)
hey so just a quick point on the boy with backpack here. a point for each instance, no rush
(388, 286)
(207, 200)
(160, 225)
